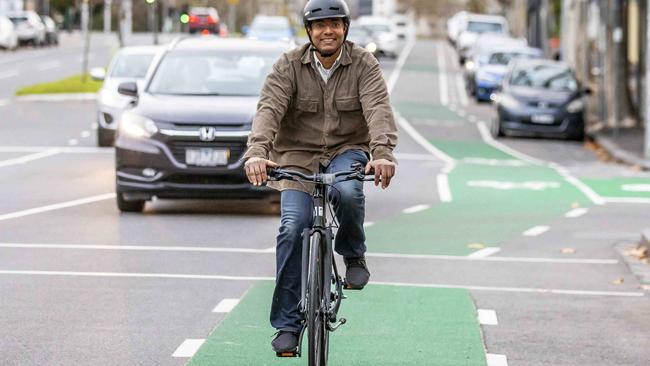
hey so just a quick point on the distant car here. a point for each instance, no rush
(129, 64)
(271, 28)
(403, 25)
(362, 37)
(478, 24)
(51, 31)
(8, 36)
(29, 27)
(383, 34)
(540, 98)
(204, 19)
(186, 133)
(456, 25)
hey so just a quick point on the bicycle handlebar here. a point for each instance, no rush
(277, 174)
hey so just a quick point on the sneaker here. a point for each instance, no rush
(356, 273)
(285, 341)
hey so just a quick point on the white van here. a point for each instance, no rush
(8, 35)
(476, 25)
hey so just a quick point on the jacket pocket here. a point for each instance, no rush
(351, 118)
(307, 105)
(348, 104)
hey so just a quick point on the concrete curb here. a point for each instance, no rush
(619, 153)
(639, 269)
(62, 97)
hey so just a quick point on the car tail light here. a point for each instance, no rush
(194, 19)
(211, 20)
(205, 32)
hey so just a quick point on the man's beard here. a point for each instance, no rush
(326, 54)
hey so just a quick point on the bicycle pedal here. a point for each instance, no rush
(348, 286)
(287, 354)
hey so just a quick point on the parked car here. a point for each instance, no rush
(29, 27)
(492, 65)
(383, 34)
(478, 24)
(362, 37)
(129, 64)
(403, 26)
(272, 28)
(456, 25)
(540, 98)
(205, 20)
(186, 133)
(51, 31)
(8, 35)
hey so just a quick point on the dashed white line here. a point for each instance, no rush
(496, 360)
(4, 102)
(48, 66)
(261, 278)
(535, 231)
(415, 209)
(225, 306)
(392, 81)
(58, 206)
(8, 74)
(487, 317)
(368, 224)
(188, 348)
(485, 252)
(444, 192)
(420, 157)
(442, 75)
(28, 158)
(462, 113)
(626, 200)
(577, 212)
(73, 142)
(472, 118)
(461, 90)
(85, 134)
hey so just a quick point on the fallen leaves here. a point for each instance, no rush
(567, 250)
(476, 246)
(640, 252)
(618, 281)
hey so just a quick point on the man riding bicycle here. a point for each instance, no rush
(324, 105)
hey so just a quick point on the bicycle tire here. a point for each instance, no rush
(317, 356)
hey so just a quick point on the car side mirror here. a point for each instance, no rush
(98, 73)
(128, 88)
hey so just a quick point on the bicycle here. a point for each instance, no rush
(319, 302)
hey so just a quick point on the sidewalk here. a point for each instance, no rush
(625, 145)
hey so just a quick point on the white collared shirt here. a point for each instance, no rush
(327, 73)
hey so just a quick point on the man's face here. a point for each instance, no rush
(327, 34)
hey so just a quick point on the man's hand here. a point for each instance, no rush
(384, 169)
(256, 170)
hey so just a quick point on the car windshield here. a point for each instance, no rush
(502, 58)
(484, 27)
(378, 27)
(223, 73)
(544, 76)
(131, 66)
(18, 20)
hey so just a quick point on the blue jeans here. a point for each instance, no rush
(296, 207)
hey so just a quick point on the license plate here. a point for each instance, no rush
(207, 157)
(543, 118)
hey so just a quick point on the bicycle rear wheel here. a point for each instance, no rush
(316, 319)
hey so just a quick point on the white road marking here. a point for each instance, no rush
(368, 224)
(495, 162)
(444, 191)
(62, 149)
(626, 200)
(58, 206)
(260, 278)
(271, 250)
(48, 66)
(496, 360)
(453, 108)
(533, 186)
(460, 83)
(487, 317)
(85, 134)
(442, 75)
(488, 139)
(462, 113)
(537, 230)
(485, 252)
(226, 306)
(4, 102)
(576, 212)
(394, 76)
(636, 187)
(472, 118)
(28, 158)
(8, 74)
(421, 157)
(415, 209)
(188, 348)
(73, 142)
(94, 126)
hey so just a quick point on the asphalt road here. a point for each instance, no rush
(481, 250)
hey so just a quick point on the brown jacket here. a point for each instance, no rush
(302, 122)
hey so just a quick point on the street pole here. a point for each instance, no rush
(107, 15)
(86, 25)
(647, 84)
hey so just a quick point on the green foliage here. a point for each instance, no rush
(72, 84)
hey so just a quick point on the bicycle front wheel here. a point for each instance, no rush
(316, 318)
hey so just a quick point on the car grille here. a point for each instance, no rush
(204, 179)
(543, 105)
(178, 148)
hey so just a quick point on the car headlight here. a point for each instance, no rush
(508, 102)
(136, 126)
(371, 47)
(576, 106)
(470, 65)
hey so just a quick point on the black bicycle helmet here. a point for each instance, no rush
(326, 9)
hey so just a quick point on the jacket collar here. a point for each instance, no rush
(346, 58)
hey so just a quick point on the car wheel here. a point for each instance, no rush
(104, 139)
(497, 131)
(129, 206)
(578, 135)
